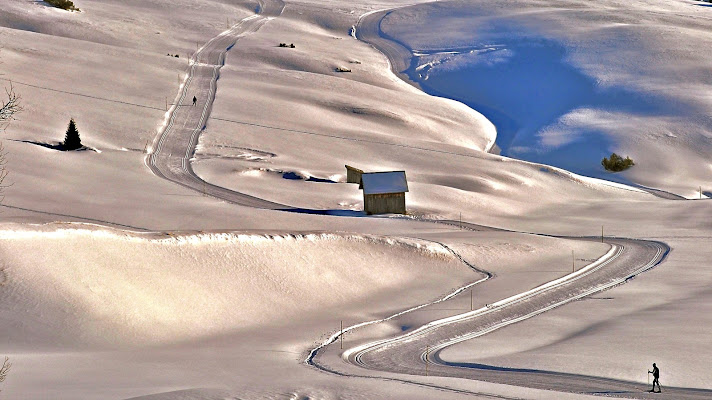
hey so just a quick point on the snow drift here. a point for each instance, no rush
(82, 286)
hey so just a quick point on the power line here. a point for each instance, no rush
(82, 95)
(342, 137)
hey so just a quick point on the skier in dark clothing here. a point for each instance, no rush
(194, 100)
(656, 376)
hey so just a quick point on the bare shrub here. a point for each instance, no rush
(9, 108)
(5, 369)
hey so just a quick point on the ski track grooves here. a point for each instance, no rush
(173, 148)
(406, 354)
(170, 158)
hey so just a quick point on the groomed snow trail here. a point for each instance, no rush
(405, 355)
(173, 148)
(368, 30)
(170, 158)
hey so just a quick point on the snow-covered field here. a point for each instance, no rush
(568, 82)
(115, 283)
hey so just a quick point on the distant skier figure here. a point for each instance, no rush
(194, 100)
(656, 376)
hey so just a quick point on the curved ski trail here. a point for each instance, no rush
(170, 158)
(173, 148)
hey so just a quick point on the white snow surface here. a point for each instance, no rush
(206, 285)
(573, 81)
(115, 284)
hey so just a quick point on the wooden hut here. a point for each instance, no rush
(384, 192)
(353, 175)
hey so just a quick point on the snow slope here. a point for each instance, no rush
(568, 82)
(112, 288)
(288, 113)
(289, 104)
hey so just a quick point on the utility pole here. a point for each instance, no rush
(573, 262)
(460, 220)
(601, 233)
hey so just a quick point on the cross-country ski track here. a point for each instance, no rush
(403, 358)
(174, 146)
(408, 353)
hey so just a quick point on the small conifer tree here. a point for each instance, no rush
(617, 163)
(63, 4)
(71, 138)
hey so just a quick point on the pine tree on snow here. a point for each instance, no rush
(71, 138)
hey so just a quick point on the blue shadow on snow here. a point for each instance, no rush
(524, 84)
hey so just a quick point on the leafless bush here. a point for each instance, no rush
(10, 107)
(8, 110)
(5, 369)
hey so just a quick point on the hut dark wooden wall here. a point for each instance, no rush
(385, 203)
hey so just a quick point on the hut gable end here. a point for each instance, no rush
(353, 175)
(384, 192)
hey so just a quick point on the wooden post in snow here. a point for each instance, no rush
(573, 262)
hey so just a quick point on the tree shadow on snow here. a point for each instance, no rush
(57, 146)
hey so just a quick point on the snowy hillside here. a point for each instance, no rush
(569, 82)
(212, 249)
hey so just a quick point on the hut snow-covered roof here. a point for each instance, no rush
(384, 182)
